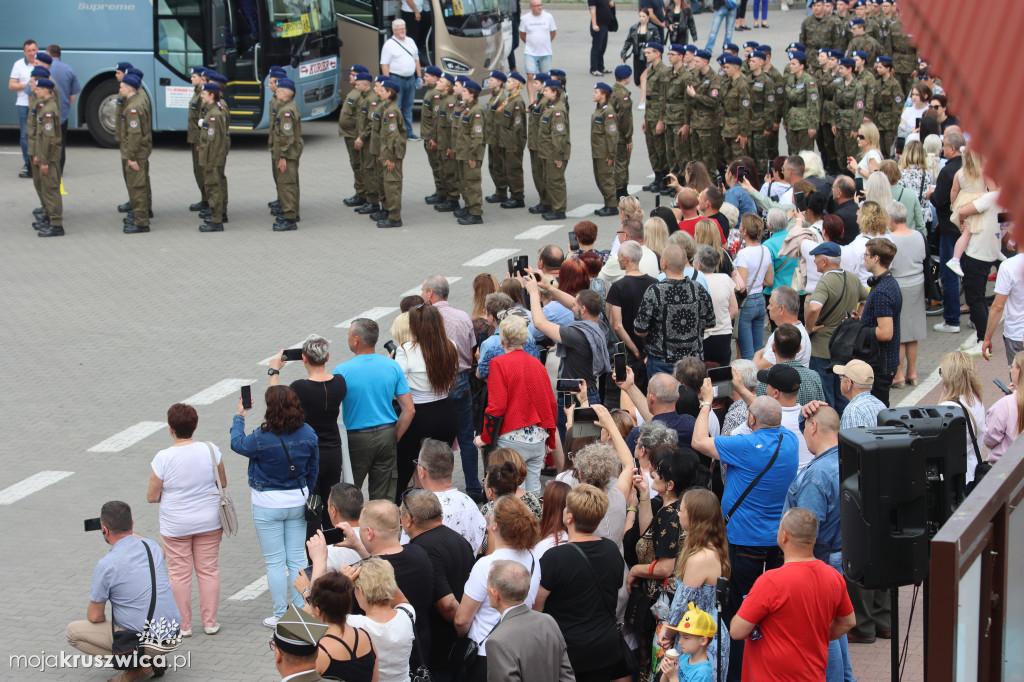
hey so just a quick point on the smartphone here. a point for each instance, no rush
(574, 244)
(619, 360)
(333, 536)
(390, 347)
(247, 397)
(620, 347)
(636, 464)
(567, 400)
(584, 414)
(92, 524)
(721, 380)
(997, 382)
(741, 173)
(292, 354)
(800, 201)
(657, 201)
(568, 385)
(511, 267)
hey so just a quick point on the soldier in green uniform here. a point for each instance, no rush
(469, 152)
(865, 74)
(653, 124)
(888, 104)
(904, 54)
(206, 214)
(429, 116)
(348, 130)
(275, 73)
(136, 145)
(536, 112)
(34, 104)
(878, 28)
(748, 49)
(622, 103)
(512, 138)
(861, 41)
(367, 160)
(762, 108)
(555, 146)
(736, 125)
(492, 134)
(120, 71)
(192, 136)
(392, 152)
(146, 105)
(45, 155)
(446, 143)
(841, 26)
(705, 122)
(677, 113)
(454, 120)
(816, 30)
(214, 143)
(847, 111)
(778, 99)
(604, 140)
(376, 125)
(802, 114)
(287, 132)
(827, 80)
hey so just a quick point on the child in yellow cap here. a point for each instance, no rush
(696, 630)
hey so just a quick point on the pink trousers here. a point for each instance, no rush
(184, 553)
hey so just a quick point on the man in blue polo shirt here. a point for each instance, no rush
(756, 482)
(372, 427)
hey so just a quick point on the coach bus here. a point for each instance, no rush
(467, 37)
(241, 39)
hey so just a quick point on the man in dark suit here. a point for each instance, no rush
(952, 141)
(526, 644)
(295, 638)
(844, 191)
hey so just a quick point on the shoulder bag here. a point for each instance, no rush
(628, 657)
(754, 482)
(314, 505)
(983, 466)
(226, 506)
(126, 645)
(842, 295)
(422, 674)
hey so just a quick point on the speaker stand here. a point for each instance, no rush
(894, 643)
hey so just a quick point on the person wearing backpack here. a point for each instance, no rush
(882, 312)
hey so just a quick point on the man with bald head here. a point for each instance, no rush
(762, 464)
(800, 608)
(659, 405)
(687, 199)
(673, 315)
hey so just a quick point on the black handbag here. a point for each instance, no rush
(314, 505)
(127, 644)
(422, 674)
(983, 466)
(629, 658)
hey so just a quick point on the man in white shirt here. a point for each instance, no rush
(1009, 302)
(536, 30)
(782, 309)
(400, 60)
(20, 74)
(631, 231)
(434, 470)
(982, 254)
(792, 172)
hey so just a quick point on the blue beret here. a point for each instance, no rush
(835, 54)
(542, 76)
(199, 70)
(44, 57)
(767, 49)
(796, 46)
(557, 72)
(860, 3)
(499, 75)
(830, 249)
(553, 84)
(137, 72)
(123, 66)
(603, 86)
(40, 72)
(721, 58)
(434, 71)
(363, 76)
(132, 80)
(516, 76)
(286, 83)
(211, 87)
(815, 2)
(390, 84)
(847, 62)
(882, 59)
(448, 77)
(461, 78)
(731, 47)
(860, 53)
(752, 44)
(221, 78)
(359, 68)
(691, 48)
(380, 78)
(654, 45)
(207, 72)
(824, 50)
(857, 22)
(798, 55)
(471, 85)
(44, 83)
(677, 48)
(757, 54)
(623, 71)
(703, 54)
(732, 59)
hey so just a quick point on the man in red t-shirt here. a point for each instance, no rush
(799, 609)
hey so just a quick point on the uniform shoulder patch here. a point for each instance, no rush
(898, 99)
(288, 114)
(814, 96)
(746, 102)
(860, 105)
(714, 92)
(611, 128)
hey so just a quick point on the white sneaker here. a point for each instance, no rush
(785, 7)
(186, 633)
(943, 327)
(973, 348)
(969, 343)
(214, 630)
(270, 622)
(954, 265)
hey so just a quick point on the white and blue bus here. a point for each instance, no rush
(241, 39)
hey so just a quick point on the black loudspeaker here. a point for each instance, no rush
(943, 428)
(883, 506)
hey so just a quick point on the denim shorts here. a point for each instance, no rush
(537, 64)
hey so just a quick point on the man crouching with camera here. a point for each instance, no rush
(133, 579)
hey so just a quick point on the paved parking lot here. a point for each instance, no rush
(103, 331)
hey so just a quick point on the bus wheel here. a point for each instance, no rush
(101, 113)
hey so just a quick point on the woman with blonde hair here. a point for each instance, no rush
(961, 385)
(1005, 419)
(707, 231)
(916, 176)
(391, 628)
(873, 221)
(696, 176)
(969, 184)
(870, 154)
(630, 208)
(483, 284)
(656, 235)
(876, 188)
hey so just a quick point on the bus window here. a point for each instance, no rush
(288, 20)
(243, 28)
(470, 17)
(361, 10)
(179, 34)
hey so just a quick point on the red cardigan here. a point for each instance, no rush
(518, 388)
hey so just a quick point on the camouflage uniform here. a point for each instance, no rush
(705, 120)
(392, 148)
(904, 55)
(736, 122)
(870, 91)
(847, 112)
(555, 145)
(816, 33)
(429, 117)
(658, 76)
(677, 114)
(622, 102)
(867, 44)
(802, 113)
(888, 108)
(604, 140)
(495, 154)
(778, 99)
(512, 140)
(469, 146)
(762, 115)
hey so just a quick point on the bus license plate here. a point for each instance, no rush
(318, 111)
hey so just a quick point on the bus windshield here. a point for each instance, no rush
(471, 17)
(292, 19)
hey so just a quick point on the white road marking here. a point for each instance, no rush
(635, 189)
(219, 390)
(128, 437)
(33, 483)
(539, 231)
(250, 591)
(373, 314)
(10, 153)
(418, 289)
(650, 176)
(297, 344)
(583, 211)
(921, 390)
(488, 257)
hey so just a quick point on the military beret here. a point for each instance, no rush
(40, 72)
(380, 78)
(654, 45)
(860, 3)
(703, 54)
(860, 53)
(211, 87)
(691, 48)
(731, 47)
(623, 71)
(604, 87)
(677, 48)
(732, 59)
(44, 83)
(848, 62)
(359, 68)
(202, 70)
(471, 85)
(857, 22)
(461, 78)
(752, 44)
(137, 72)
(553, 84)
(882, 59)
(221, 78)
(516, 76)
(835, 54)
(123, 66)
(433, 71)
(286, 83)
(815, 2)
(44, 57)
(279, 71)
(499, 75)
(363, 76)
(824, 50)
(797, 55)
(131, 80)
(542, 76)
(767, 49)
(796, 46)
(390, 85)
(557, 72)
(757, 54)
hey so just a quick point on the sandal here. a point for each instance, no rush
(912, 382)
(897, 386)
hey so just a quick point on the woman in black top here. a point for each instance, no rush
(346, 653)
(640, 34)
(321, 395)
(579, 584)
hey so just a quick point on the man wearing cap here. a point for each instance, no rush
(777, 98)
(376, 166)
(658, 75)
(604, 141)
(676, 116)
(428, 130)
(492, 134)
(622, 103)
(46, 153)
(348, 130)
(366, 106)
(120, 71)
(214, 143)
(888, 103)
(816, 30)
(705, 119)
(294, 643)
(535, 113)
(512, 134)
(444, 140)
(66, 82)
(136, 146)
(781, 382)
(400, 60)
(736, 103)
(287, 131)
(859, 40)
(392, 152)
(192, 136)
(865, 74)
(848, 108)
(555, 145)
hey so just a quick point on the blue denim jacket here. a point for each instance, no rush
(817, 488)
(268, 465)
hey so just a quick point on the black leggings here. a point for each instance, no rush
(436, 420)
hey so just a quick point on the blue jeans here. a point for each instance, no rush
(463, 399)
(750, 331)
(838, 668)
(655, 366)
(537, 63)
(406, 95)
(598, 44)
(729, 17)
(282, 536)
(950, 283)
(23, 126)
(830, 384)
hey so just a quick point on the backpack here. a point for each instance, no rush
(851, 340)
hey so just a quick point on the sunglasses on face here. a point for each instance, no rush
(861, 137)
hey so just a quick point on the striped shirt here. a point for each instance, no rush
(459, 329)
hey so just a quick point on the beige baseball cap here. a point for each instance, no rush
(858, 371)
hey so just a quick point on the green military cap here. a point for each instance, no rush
(297, 632)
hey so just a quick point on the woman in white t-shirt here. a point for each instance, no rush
(514, 532)
(870, 154)
(182, 481)
(961, 382)
(391, 628)
(718, 339)
(754, 264)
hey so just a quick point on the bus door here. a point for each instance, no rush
(358, 29)
(233, 53)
